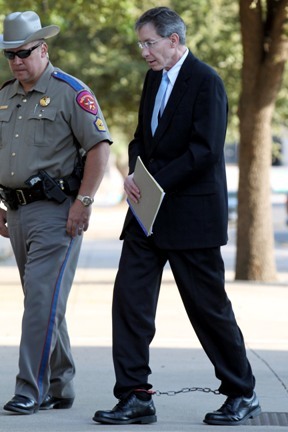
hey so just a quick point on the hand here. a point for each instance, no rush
(3, 223)
(131, 189)
(78, 219)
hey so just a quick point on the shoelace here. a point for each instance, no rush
(228, 405)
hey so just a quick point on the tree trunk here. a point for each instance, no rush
(255, 242)
(265, 52)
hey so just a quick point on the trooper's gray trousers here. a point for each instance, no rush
(46, 258)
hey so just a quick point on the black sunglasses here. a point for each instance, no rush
(10, 55)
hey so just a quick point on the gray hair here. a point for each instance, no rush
(165, 21)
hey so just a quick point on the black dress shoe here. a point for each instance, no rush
(52, 402)
(234, 411)
(22, 405)
(127, 411)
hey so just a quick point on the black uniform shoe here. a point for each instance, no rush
(127, 411)
(234, 411)
(52, 402)
(22, 405)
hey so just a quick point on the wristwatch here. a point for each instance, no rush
(85, 200)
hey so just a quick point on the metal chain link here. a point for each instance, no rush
(186, 390)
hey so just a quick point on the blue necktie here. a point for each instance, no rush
(159, 101)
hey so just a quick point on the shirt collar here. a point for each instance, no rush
(174, 71)
(42, 83)
(40, 86)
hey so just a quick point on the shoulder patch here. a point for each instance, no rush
(76, 85)
(87, 102)
(99, 125)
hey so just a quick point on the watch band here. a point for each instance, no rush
(86, 200)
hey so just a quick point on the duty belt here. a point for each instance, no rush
(15, 197)
(21, 197)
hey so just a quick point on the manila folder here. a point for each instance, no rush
(152, 196)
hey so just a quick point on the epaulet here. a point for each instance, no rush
(68, 79)
(8, 82)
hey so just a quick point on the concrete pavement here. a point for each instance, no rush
(177, 360)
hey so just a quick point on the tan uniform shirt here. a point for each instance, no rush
(40, 129)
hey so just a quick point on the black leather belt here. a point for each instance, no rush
(27, 196)
(15, 197)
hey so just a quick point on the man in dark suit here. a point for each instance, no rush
(185, 156)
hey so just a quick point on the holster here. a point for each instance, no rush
(9, 197)
(51, 188)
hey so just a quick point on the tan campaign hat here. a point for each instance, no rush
(20, 28)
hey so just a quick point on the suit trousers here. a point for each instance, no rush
(199, 276)
(47, 258)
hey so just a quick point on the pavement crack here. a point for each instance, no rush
(271, 369)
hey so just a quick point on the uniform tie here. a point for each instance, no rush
(159, 102)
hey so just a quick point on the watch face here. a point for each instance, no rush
(87, 201)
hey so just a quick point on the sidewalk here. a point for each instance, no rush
(177, 360)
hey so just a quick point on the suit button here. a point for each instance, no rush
(151, 160)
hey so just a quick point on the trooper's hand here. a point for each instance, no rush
(78, 219)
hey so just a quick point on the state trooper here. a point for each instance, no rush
(54, 149)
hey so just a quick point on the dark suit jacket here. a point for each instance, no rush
(186, 157)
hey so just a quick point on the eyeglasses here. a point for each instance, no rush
(149, 44)
(10, 55)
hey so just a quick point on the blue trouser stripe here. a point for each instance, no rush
(51, 323)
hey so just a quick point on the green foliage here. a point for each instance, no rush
(97, 43)
(213, 34)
